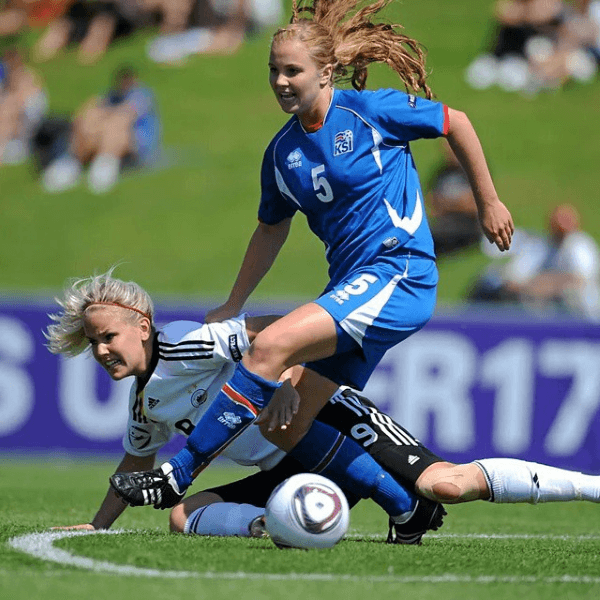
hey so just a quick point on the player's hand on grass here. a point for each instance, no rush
(497, 224)
(280, 411)
(82, 526)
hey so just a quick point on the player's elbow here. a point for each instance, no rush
(457, 122)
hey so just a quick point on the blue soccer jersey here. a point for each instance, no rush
(355, 178)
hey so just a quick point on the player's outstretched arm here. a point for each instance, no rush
(496, 221)
(264, 246)
(112, 506)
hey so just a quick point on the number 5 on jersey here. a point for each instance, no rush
(321, 185)
(356, 288)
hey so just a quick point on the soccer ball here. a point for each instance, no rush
(307, 511)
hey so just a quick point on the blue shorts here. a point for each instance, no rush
(376, 307)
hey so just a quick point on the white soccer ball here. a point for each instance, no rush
(307, 511)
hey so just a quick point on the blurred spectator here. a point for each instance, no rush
(23, 104)
(577, 51)
(16, 16)
(13, 17)
(120, 129)
(536, 46)
(51, 140)
(92, 25)
(452, 209)
(560, 272)
(222, 26)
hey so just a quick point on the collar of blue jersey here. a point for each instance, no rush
(320, 123)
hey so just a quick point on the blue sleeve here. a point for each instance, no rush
(273, 207)
(406, 117)
(141, 100)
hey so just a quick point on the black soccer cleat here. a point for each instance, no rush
(427, 516)
(143, 488)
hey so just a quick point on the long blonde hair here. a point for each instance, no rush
(341, 33)
(66, 335)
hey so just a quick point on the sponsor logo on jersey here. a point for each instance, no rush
(234, 348)
(199, 397)
(339, 296)
(152, 402)
(139, 437)
(343, 142)
(412, 459)
(294, 159)
(230, 420)
(391, 242)
(412, 101)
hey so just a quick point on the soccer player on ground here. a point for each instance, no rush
(178, 372)
(343, 159)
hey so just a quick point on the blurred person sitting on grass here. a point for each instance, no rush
(179, 368)
(556, 272)
(116, 130)
(95, 24)
(577, 52)
(454, 221)
(219, 27)
(18, 16)
(91, 25)
(528, 37)
(23, 104)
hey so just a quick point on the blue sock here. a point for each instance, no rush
(235, 407)
(326, 451)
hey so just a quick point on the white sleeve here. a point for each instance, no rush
(231, 338)
(187, 345)
(583, 257)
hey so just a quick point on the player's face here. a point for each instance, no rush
(121, 347)
(299, 86)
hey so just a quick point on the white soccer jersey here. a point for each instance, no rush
(191, 362)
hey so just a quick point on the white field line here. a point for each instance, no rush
(41, 545)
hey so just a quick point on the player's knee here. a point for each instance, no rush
(177, 519)
(444, 492)
(267, 355)
(450, 484)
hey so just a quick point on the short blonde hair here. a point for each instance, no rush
(66, 335)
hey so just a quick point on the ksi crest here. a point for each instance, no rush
(343, 142)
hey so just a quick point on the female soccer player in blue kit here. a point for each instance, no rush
(343, 159)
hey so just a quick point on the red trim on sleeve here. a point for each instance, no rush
(446, 120)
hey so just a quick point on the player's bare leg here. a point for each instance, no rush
(53, 40)
(451, 484)
(506, 480)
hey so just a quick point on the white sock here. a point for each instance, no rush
(103, 173)
(223, 519)
(62, 174)
(512, 480)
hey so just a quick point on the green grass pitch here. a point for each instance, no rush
(483, 550)
(182, 231)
